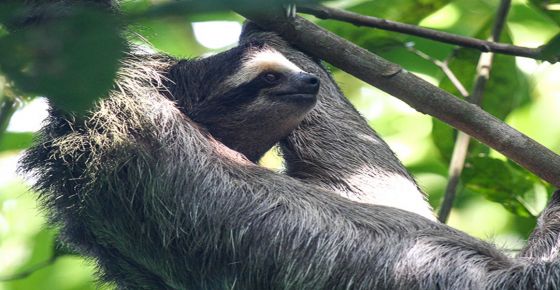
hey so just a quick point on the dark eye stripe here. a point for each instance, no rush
(271, 77)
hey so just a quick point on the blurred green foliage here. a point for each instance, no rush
(73, 61)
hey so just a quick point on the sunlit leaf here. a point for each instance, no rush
(502, 183)
(408, 11)
(172, 35)
(549, 7)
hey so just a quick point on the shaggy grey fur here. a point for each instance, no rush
(160, 204)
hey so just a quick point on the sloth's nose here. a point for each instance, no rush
(308, 83)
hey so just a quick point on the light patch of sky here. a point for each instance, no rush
(216, 34)
(29, 117)
(8, 166)
(527, 65)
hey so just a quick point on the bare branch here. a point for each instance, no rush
(416, 92)
(462, 143)
(324, 12)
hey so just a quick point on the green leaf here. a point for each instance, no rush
(500, 182)
(408, 11)
(72, 59)
(7, 9)
(15, 141)
(135, 7)
(551, 50)
(173, 35)
(507, 87)
(546, 7)
(444, 137)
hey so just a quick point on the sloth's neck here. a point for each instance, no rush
(253, 143)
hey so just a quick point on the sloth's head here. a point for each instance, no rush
(249, 97)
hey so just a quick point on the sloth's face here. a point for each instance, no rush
(265, 74)
(260, 99)
(260, 103)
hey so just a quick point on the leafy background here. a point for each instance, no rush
(497, 200)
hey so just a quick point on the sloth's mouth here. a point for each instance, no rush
(298, 97)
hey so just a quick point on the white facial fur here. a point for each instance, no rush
(258, 61)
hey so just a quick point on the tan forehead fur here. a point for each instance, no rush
(258, 61)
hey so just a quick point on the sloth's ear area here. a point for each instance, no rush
(248, 28)
(251, 32)
(193, 81)
(180, 82)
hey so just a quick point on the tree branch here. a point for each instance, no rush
(414, 91)
(461, 147)
(324, 12)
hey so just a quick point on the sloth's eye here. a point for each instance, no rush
(271, 78)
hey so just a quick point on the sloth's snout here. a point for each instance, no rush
(307, 83)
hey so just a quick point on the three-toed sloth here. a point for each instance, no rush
(156, 184)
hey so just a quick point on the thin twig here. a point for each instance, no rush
(324, 12)
(444, 66)
(414, 91)
(461, 147)
(31, 270)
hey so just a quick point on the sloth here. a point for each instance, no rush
(159, 203)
